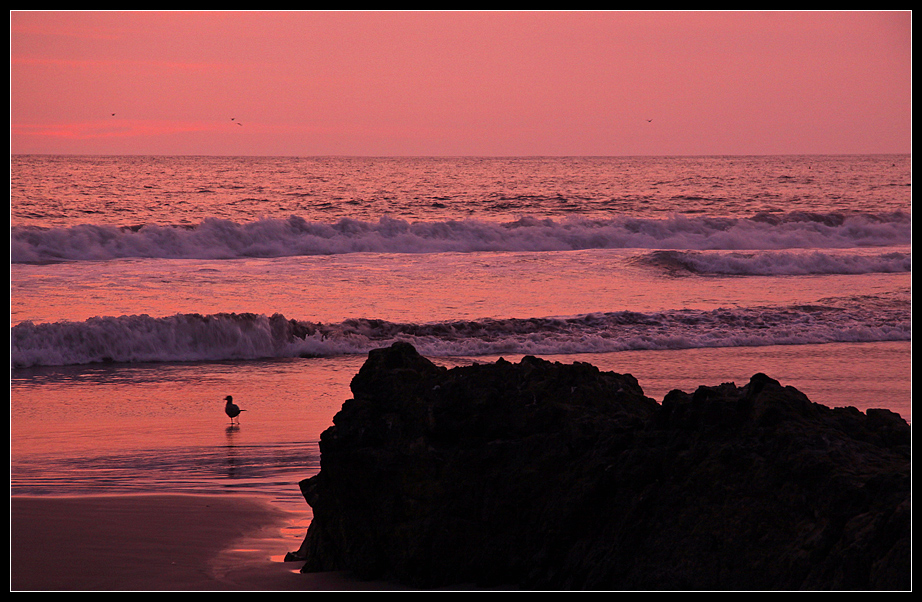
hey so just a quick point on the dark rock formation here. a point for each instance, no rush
(540, 475)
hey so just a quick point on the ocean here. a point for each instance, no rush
(143, 290)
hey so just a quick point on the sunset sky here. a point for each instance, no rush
(460, 83)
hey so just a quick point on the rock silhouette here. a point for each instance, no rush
(540, 475)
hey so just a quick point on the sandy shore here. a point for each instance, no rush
(144, 543)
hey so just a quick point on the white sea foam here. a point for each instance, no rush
(778, 263)
(194, 337)
(222, 239)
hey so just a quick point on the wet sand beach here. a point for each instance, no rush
(156, 542)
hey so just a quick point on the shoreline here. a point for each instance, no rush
(157, 542)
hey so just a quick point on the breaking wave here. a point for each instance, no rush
(216, 238)
(776, 263)
(220, 337)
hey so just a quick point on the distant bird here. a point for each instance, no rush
(232, 409)
(649, 120)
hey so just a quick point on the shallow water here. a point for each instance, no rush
(161, 428)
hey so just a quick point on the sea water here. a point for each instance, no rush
(143, 290)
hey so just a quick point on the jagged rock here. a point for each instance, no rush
(540, 475)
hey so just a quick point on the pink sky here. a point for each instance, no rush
(460, 83)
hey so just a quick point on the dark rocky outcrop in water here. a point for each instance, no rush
(539, 475)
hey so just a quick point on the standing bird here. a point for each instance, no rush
(232, 409)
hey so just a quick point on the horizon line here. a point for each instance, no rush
(463, 156)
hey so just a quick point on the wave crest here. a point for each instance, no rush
(775, 263)
(195, 337)
(217, 238)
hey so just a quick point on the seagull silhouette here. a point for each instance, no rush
(232, 409)
(649, 120)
